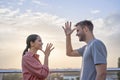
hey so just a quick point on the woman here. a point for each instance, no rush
(32, 68)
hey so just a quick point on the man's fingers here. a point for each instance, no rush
(70, 24)
(65, 24)
(73, 30)
(63, 28)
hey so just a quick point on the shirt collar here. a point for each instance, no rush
(31, 54)
(91, 41)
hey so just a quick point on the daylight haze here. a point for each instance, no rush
(19, 18)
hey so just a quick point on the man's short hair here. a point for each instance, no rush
(86, 23)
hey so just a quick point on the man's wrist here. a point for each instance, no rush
(68, 36)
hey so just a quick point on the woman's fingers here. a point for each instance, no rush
(49, 48)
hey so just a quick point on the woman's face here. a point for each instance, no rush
(38, 43)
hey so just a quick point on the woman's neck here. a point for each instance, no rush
(33, 50)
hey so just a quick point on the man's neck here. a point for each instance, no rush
(89, 38)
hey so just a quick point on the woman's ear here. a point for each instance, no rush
(31, 44)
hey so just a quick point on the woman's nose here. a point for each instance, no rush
(76, 34)
(41, 43)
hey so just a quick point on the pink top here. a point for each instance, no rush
(32, 69)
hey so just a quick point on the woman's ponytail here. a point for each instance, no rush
(26, 50)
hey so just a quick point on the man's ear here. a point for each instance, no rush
(86, 29)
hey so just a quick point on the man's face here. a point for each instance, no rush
(80, 33)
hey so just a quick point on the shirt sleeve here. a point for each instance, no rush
(81, 50)
(35, 68)
(99, 53)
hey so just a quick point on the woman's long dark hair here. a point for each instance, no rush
(30, 38)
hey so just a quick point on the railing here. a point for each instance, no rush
(57, 74)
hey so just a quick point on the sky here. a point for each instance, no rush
(20, 18)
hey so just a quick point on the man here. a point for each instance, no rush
(94, 53)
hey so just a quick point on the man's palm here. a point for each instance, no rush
(67, 28)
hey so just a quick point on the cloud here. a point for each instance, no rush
(112, 25)
(109, 26)
(39, 2)
(7, 13)
(4, 10)
(13, 23)
(95, 11)
(29, 20)
(21, 2)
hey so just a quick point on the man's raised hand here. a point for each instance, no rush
(67, 28)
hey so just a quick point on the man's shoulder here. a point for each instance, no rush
(97, 44)
(97, 41)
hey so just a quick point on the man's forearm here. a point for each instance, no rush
(101, 71)
(69, 48)
(101, 76)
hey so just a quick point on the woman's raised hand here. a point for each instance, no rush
(48, 49)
